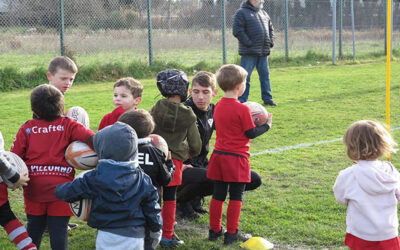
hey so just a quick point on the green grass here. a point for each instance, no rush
(295, 206)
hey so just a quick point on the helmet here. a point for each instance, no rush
(173, 82)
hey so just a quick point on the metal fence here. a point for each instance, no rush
(182, 31)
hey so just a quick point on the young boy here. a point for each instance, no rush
(151, 159)
(124, 200)
(176, 123)
(229, 164)
(195, 184)
(127, 95)
(61, 73)
(41, 143)
(14, 228)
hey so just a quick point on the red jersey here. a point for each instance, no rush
(42, 144)
(232, 119)
(111, 118)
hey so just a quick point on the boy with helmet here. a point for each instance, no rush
(176, 123)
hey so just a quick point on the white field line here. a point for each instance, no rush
(302, 145)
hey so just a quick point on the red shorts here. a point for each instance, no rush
(3, 193)
(228, 168)
(52, 208)
(356, 243)
(177, 178)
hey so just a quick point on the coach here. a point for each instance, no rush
(253, 28)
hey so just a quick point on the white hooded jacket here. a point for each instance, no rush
(371, 191)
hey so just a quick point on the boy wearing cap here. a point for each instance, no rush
(124, 200)
(176, 123)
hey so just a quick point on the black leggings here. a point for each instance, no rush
(169, 193)
(57, 225)
(196, 184)
(236, 190)
(6, 214)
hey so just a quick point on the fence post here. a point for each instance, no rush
(333, 30)
(353, 30)
(286, 30)
(223, 31)
(61, 25)
(340, 28)
(151, 63)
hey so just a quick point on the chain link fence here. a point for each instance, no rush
(182, 31)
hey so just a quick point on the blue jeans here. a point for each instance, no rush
(261, 63)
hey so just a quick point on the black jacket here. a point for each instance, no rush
(205, 125)
(254, 30)
(153, 163)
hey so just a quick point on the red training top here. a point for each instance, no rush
(232, 119)
(42, 144)
(111, 118)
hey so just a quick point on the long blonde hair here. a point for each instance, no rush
(368, 140)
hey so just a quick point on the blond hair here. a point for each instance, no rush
(204, 79)
(368, 140)
(62, 62)
(134, 86)
(230, 75)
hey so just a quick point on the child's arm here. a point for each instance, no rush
(7, 171)
(166, 172)
(151, 208)
(339, 190)
(194, 140)
(79, 189)
(257, 131)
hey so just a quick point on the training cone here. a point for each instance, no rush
(257, 243)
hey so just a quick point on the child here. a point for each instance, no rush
(370, 188)
(61, 73)
(151, 159)
(127, 95)
(123, 198)
(229, 165)
(41, 143)
(176, 123)
(14, 228)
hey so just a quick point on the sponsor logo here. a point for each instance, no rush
(44, 130)
(144, 159)
(50, 170)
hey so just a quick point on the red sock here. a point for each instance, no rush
(168, 216)
(216, 214)
(233, 216)
(19, 236)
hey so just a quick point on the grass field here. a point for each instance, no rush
(295, 206)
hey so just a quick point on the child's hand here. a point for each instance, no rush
(23, 181)
(169, 155)
(186, 166)
(269, 119)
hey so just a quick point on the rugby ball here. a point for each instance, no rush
(258, 113)
(16, 163)
(81, 208)
(81, 156)
(79, 114)
(159, 143)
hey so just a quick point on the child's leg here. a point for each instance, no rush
(236, 191)
(58, 228)
(168, 211)
(35, 228)
(216, 204)
(14, 228)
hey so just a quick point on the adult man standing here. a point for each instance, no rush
(253, 28)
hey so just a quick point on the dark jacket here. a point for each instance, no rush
(254, 30)
(123, 196)
(205, 125)
(153, 163)
(176, 123)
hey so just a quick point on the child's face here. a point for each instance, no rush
(62, 79)
(242, 88)
(123, 97)
(202, 96)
